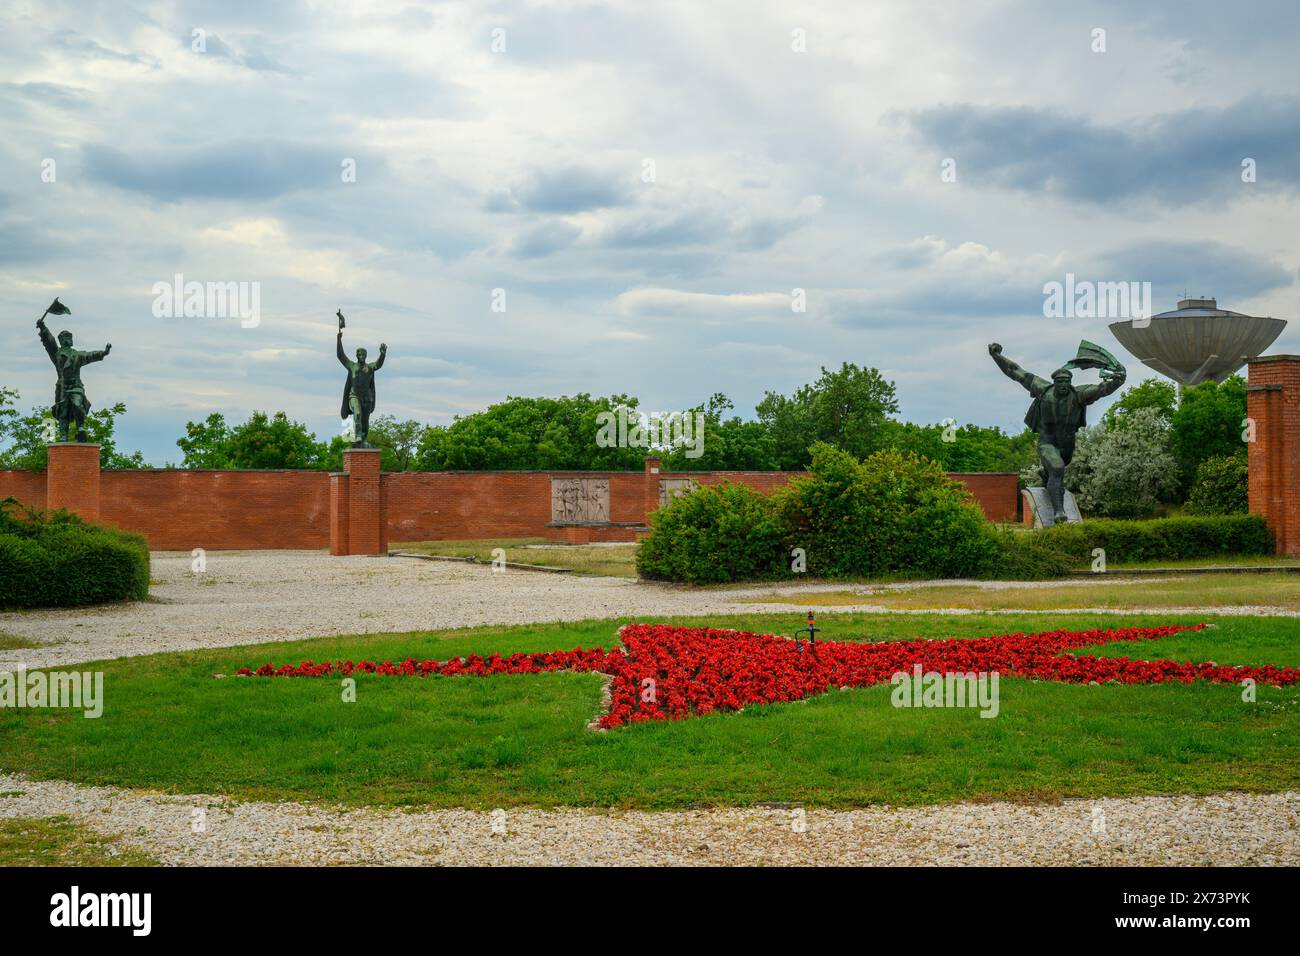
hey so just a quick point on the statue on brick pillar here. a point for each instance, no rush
(359, 389)
(70, 404)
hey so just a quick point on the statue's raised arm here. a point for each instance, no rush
(1035, 384)
(51, 346)
(343, 356)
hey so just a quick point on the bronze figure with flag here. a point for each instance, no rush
(1058, 410)
(70, 404)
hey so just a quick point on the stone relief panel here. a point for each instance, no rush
(670, 488)
(580, 500)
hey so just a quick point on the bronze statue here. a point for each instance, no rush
(1058, 411)
(359, 390)
(70, 405)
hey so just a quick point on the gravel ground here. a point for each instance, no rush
(1219, 830)
(253, 597)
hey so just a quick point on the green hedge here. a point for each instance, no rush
(55, 559)
(1163, 539)
(899, 515)
(890, 514)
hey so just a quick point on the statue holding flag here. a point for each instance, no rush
(359, 389)
(1058, 411)
(70, 404)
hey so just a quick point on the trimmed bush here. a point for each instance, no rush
(1221, 487)
(1163, 539)
(713, 534)
(1028, 556)
(55, 559)
(892, 513)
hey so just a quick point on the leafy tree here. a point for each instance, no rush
(964, 448)
(206, 444)
(727, 444)
(261, 442)
(847, 409)
(1208, 424)
(1221, 486)
(530, 434)
(398, 441)
(274, 442)
(24, 437)
(1157, 393)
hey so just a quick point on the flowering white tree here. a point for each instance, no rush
(1126, 470)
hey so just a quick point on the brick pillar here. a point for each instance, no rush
(72, 479)
(339, 513)
(651, 487)
(1273, 404)
(358, 523)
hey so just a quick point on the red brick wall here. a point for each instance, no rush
(182, 510)
(27, 486)
(441, 505)
(998, 494)
(1273, 403)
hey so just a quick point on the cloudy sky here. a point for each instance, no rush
(647, 182)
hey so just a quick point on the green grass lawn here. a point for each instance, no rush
(1280, 589)
(12, 642)
(612, 560)
(521, 740)
(58, 841)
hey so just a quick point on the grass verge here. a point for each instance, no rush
(1202, 590)
(612, 560)
(58, 841)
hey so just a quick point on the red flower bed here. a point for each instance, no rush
(699, 670)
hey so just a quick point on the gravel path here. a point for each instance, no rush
(251, 597)
(1231, 829)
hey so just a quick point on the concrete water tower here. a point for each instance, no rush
(1198, 341)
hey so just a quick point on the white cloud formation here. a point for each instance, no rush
(646, 183)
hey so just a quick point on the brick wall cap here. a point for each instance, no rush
(217, 471)
(1273, 358)
(73, 444)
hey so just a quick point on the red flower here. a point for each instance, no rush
(700, 670)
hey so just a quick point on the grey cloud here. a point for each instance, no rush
(47, 94)
(242, 169)
(73, 42)
(569, 189)
(252, 58)
(1188, 155)
(544, 239)
(1201, 267)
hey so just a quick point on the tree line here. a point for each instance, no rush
(852, 408)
